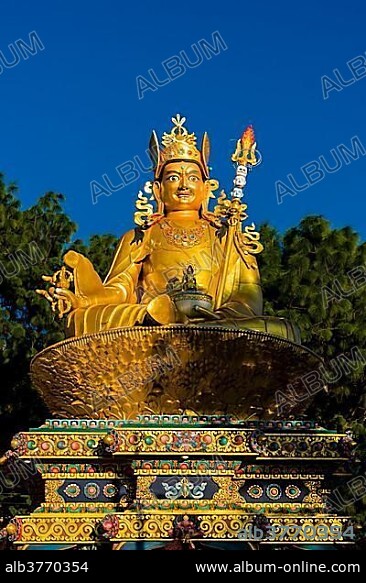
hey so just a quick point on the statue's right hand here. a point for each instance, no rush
(72, 258)
(48, 294)
(86, 280)
(76, 301)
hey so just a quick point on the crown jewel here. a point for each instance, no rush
(178, 133)
(178, 145)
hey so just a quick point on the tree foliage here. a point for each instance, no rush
(32, 244)
(316, 276)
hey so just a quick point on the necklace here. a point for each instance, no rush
(183, 236)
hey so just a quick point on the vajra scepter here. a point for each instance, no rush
(234, 213)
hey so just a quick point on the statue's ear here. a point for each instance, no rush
(154, 149)
(156, 188)
(205, 149)
(212, 185)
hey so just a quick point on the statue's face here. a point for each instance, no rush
(181, 187)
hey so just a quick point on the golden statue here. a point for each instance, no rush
(145, 284)
(177, 325)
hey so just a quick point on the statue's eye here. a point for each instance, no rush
(193, 178)
(173, 178)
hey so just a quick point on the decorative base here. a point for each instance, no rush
(169, 480)
(127, 372)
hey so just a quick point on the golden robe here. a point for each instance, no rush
(140, 273)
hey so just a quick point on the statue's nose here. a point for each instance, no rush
(183, 182)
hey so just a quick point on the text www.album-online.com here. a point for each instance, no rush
(301, 567)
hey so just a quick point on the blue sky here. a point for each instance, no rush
(71, 113)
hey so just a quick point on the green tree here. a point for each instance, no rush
(32, 243)
(319, 283)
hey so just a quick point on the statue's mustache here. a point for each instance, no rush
(184, 189)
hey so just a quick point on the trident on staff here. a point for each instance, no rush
(245, 157)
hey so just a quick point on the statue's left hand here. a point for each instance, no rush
(204, 312)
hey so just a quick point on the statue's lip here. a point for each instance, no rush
(185, 193)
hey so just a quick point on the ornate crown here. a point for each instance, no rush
(179, 145)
